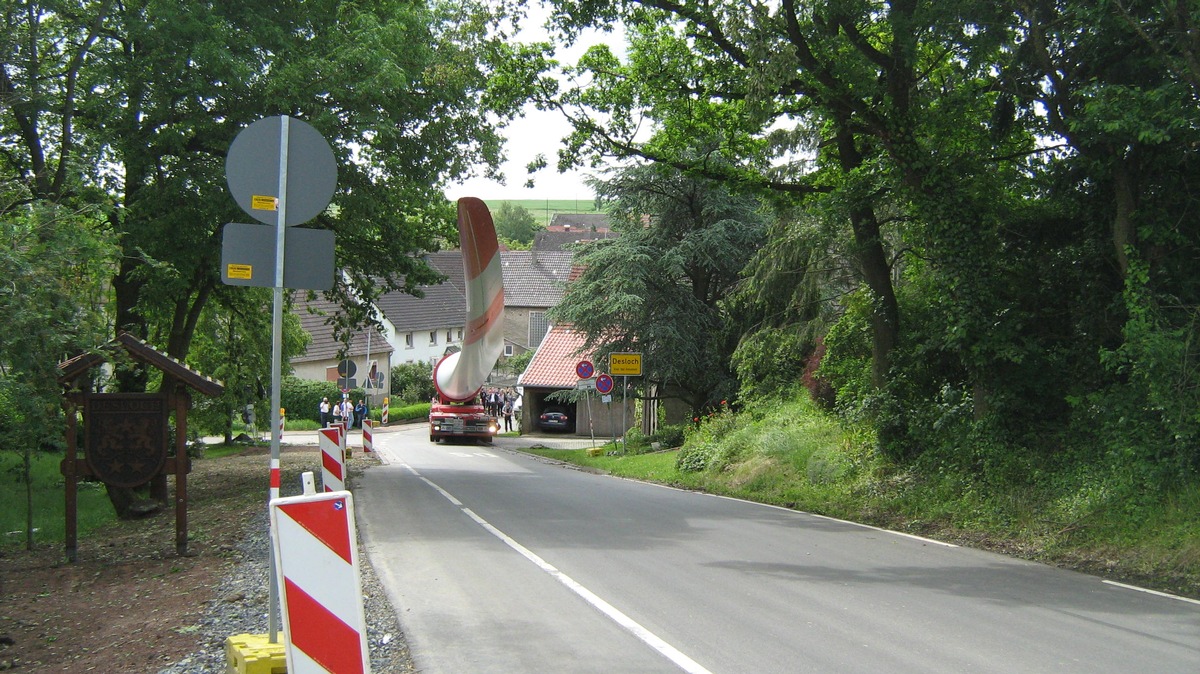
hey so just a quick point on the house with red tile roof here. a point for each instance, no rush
(553, 368)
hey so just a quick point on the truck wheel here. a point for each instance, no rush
(433, 439)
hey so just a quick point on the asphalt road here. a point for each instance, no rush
(501, 562)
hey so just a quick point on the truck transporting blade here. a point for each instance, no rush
(457, 412)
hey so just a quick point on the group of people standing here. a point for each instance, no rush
(351, 414)
(500, 403)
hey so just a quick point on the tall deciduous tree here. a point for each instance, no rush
(133, 105)
(660, 286)
(966, 147)
(515, 222)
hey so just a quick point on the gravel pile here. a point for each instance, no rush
(240, 607)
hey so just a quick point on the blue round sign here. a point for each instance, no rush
(604, 384)
(584, 369)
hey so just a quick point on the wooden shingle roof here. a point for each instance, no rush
(71, 369)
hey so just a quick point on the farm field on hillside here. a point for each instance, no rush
(544, 209)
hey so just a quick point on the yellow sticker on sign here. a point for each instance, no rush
(243, 272)
(264, 203)
(625, 364)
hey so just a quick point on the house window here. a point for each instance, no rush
(433, 338)
(508, 350)
(460, 334)
(408, 341)
(449, 336)
(537, 327)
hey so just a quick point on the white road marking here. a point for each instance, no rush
(1156, 593)
(644, 635)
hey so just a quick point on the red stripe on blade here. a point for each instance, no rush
(476, 236)
(477, 328)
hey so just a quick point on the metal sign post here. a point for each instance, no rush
(277, 360)
(257, 164)
(624, 410)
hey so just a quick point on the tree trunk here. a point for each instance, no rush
(129, 505)
(885, 311)
(1124, 233)
(127, 290)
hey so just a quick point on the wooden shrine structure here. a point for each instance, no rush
(126, 435)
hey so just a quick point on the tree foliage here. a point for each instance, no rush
(132, 107)
(515, 223)
(53, 262)
(659, 287)
(1005, 189)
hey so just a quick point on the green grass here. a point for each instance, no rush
(1096, 519)
(49, 505)
(659, 467)
(222, 451)
(406, 412)
(544, 209)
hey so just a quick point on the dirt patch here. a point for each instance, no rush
(130, 604)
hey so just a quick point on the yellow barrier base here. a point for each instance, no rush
(254, 654)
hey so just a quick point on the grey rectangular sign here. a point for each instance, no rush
(248, 257)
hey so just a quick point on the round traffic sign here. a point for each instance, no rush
(604, 384)
(584, 369)
(252, 170)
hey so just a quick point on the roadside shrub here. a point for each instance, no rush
(846, 362)
(636, 441)
(413, 382)
(407, 412)
(694, 457)
(769, 361)
(715, 425)
(669, 436)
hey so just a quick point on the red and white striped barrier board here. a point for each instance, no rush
(368, 436)
(333, 460)
(345, 434)
(316, 563)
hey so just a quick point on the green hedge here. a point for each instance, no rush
(302, 398)
(416, 411)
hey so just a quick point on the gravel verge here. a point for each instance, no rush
(240, 603)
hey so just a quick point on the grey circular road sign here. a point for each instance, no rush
(252, 171)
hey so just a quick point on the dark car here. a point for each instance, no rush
(554, 420)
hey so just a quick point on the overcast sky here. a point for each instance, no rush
(538, 133)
